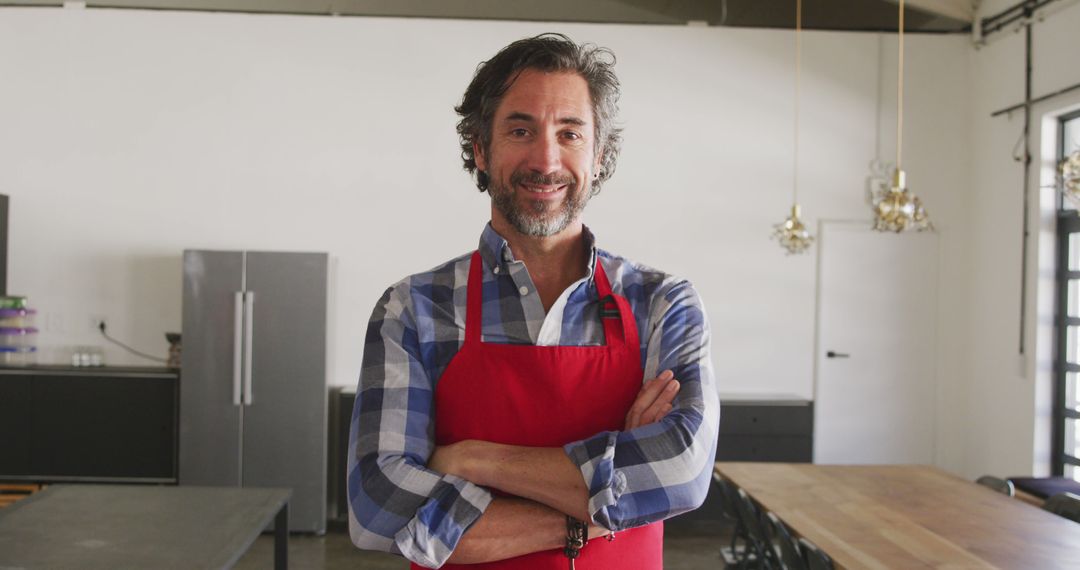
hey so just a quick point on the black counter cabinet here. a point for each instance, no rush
(771, 428)
(89, 424)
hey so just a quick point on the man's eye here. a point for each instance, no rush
(572, 135)
(519, 132)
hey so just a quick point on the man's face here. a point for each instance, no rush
(542, 155)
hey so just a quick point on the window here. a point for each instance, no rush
(1066, 432)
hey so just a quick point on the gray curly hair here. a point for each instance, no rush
(549, 53)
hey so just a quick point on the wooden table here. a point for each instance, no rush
(901, 516)
(111, 527)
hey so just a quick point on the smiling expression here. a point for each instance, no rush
(541, 157)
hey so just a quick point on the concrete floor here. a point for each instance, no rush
(690, 548)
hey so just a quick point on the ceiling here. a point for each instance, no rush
(932, 16)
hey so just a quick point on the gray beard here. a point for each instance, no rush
(538, 218)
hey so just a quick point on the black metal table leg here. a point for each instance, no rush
(281, 538)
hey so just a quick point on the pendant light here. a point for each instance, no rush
(899, 209)
(1070, 178)
(791, 233)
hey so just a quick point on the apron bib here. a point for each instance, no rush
(548, 396)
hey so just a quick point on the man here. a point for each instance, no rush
(520, 404)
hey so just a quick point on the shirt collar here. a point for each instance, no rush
(495, 250)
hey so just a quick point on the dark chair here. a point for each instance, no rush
(816, 559)
(784, 545)
(1000, 485)
(739, 538)
(758, 544)
(1045, 487)
(1065, 505)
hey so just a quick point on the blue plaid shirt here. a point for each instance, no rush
(635, 477)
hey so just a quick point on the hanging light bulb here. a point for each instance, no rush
(791, 233)
(899, 209)
(1070, 178)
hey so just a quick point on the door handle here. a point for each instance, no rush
(249, 322)
(834, 354)
(238, 345)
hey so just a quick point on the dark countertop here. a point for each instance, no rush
(145, 526)
(56, 369)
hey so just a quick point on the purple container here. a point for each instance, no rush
(17, 336)
(17, 318)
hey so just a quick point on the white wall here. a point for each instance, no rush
(129, 136)
(1002, 422)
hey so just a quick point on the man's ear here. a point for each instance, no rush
(596, 165)
(478, 157)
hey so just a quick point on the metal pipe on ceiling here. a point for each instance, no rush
(1022, 10)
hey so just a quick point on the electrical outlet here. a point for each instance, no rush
(95, 322)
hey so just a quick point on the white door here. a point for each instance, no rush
(875, 386)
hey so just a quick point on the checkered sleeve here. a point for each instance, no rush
(662, 469)
(395, 503)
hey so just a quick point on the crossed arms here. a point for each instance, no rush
(547, 483)
(431, 504)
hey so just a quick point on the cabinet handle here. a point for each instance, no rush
(834, 354)
(238, 342)
(249, 322)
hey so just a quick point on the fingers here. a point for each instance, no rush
(646, 396)
(662, 405)
(653, 401)
(597, 531)
(438, 460)
(446, 459)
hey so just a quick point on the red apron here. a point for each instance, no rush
(548, 396)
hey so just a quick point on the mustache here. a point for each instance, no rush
(537, 179)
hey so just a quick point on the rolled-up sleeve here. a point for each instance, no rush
(662, 469)
(395, 503)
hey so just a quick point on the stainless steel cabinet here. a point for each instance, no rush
(253, 394)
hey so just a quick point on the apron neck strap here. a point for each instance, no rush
(603, 286)
(615, 312)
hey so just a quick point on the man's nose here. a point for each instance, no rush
(546, 157)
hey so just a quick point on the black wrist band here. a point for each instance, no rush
(577, 534)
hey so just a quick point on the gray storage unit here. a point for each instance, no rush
(755, 428)
(342, 401)
(779, 430)
(253, 394)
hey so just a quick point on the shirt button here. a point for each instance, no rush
(524, 290)
(496, 270)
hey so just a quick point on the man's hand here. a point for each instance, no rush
(653, 401)
(451, 459)
(545, 475)
(513, 527)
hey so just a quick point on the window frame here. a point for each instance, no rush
(1068, 223)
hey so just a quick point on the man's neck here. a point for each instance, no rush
(554, 262)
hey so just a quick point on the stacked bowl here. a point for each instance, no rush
(18, 337)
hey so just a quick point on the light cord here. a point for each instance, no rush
(798, 90)
(900, 92)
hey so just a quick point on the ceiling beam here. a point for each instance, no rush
(961, 10)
